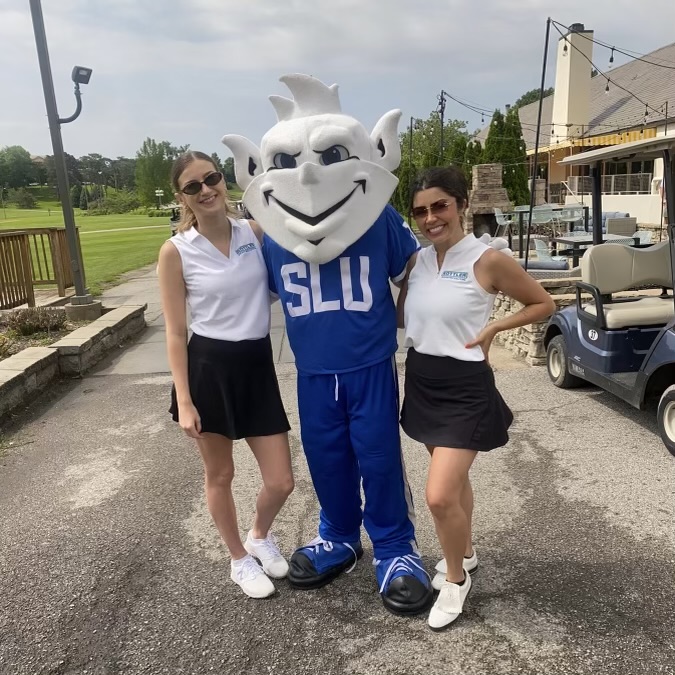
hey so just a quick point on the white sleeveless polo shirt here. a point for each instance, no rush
(444, 309)
(228, 298)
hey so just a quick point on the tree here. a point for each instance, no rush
(18, 169)
(504, 145)
(426, 152)
(124, 173)
(24, 199)
(495, 143)
(84, 199)
(75, 194)
(72, 170)
(228, 171)
(153, 169)
(217, 162)
(515, 171)
(530, 97)
(92, 167)
(472, 156)
(40, 172)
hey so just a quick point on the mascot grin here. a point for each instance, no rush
(314, 154)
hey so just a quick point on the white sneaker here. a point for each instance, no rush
(267, 551)
(449, 603)
(250, 576)
(470, 565)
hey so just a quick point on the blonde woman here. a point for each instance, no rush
(225, 385)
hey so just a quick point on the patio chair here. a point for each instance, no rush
(503, 222)
(572, 216)
(541, 247)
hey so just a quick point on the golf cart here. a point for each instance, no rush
(623, 345)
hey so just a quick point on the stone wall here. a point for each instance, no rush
(29, 372)
(487, 192)
(528, 341)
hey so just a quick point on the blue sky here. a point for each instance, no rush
(189, 71)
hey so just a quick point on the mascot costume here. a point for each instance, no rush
(319, 185)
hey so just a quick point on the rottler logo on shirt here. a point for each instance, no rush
(246, 248)
(454, 276)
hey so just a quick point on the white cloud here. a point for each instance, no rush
(191, 70)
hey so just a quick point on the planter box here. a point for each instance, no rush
(27, 373)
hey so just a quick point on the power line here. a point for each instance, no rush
(617, 49)
(616, 84)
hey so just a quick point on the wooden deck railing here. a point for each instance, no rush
(16, 279)
(50, 258)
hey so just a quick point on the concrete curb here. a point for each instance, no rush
(27, 373)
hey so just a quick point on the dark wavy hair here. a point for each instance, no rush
(450, 179)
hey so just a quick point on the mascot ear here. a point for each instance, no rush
(387, 151)
(247, 163)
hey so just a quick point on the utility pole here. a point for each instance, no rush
(441, 110)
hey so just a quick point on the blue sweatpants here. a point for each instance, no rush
(349, 428)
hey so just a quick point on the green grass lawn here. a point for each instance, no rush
(106, 255)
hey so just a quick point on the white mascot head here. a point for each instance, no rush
(319, 180)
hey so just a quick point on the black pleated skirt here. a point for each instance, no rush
(453, 404)
(234, 387)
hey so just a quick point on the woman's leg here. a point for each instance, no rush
(216, 452)
(467, 504)
(274, 459)
(446, 483)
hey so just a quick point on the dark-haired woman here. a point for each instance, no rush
(451, 403)
(225, 385)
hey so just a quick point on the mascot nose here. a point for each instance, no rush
(309, 174)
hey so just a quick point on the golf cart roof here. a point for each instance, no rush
(651, 148)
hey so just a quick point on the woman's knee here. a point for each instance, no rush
(441, 501)
(221, 477)
(281, 486)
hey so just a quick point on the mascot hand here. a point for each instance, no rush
(498, 243)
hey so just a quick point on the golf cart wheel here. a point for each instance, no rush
(556, 364)
(665, 418)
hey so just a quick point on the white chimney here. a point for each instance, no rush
(571, 99)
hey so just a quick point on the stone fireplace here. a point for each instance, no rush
(487, 192)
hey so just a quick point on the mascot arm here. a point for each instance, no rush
(498, 243)
(402, 244)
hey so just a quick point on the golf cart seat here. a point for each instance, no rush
(611, 268)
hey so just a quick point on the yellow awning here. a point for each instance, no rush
(597, 141)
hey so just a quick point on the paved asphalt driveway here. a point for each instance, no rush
(109, 562)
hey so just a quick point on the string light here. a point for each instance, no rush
(565, 48)
(611, 58)
(607, 87)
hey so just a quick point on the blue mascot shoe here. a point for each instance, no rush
(405, 586)
(318, 563)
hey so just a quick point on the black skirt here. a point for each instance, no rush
(234, 387)
(453, 404)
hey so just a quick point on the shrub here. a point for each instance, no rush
(5, 344)
(24, 199)
(122, 201)
(36, 319)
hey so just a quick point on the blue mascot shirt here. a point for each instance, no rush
(340, 316)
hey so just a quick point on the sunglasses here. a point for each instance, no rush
(195, 186)
(420, 212)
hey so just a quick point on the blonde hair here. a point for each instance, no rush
(187, 216)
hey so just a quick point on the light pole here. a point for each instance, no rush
(159, 194)
(79, 76)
